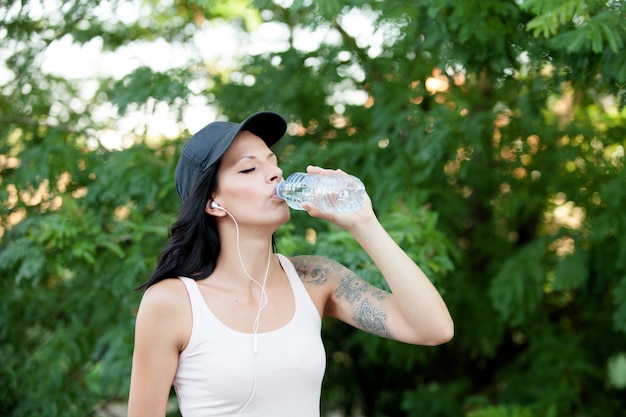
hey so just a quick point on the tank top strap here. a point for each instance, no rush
(193, 291)
(198, 307)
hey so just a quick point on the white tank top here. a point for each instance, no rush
(216, 370)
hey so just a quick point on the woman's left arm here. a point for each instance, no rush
(414, 312)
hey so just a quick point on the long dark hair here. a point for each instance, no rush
(194, 241)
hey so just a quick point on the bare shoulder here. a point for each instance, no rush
(169, 294)
(317, 270)
(166, 310)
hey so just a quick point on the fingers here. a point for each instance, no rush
(315, 211)
(314, 169)
(312, 209)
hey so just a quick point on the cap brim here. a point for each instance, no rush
(269, 126)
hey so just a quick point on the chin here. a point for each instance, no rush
(285, 215)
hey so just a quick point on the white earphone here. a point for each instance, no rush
(262, 302)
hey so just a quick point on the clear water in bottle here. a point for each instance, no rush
(338, 193)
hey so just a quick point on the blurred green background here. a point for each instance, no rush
(489, 134)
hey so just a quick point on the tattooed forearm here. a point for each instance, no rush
(372, 320)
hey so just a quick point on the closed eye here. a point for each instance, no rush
(246, 171)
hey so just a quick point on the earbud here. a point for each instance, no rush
(214, 205)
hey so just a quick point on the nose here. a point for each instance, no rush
(276, 174)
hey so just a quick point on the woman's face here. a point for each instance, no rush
(247, 180)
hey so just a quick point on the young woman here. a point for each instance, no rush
(236, 327)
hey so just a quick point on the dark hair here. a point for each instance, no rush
(194, 242)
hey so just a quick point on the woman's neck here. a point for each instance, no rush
(247, 258)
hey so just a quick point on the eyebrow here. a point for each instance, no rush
(269, 156)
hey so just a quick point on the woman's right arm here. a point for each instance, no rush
(162, 330)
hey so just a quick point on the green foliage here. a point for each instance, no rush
(144, 84)
(619, 298)
(68, 274)
(506, 185)
(552, 14)
(516, 289)
(504, 411)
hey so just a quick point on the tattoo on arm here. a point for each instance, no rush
(312, 271)
(366, 315)
(363, 297)
(353, 288)
(372, 320)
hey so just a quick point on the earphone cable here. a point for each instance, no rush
(263, 299)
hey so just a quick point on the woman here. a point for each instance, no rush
(234, 326)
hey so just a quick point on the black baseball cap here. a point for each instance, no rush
(209, 144)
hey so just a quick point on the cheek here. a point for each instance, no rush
(242, 193)
(244, 196)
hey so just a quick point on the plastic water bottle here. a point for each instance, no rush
(335, 193)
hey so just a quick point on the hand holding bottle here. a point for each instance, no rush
(335, 192)
(354, 209)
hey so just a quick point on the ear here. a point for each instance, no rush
(213, 209)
